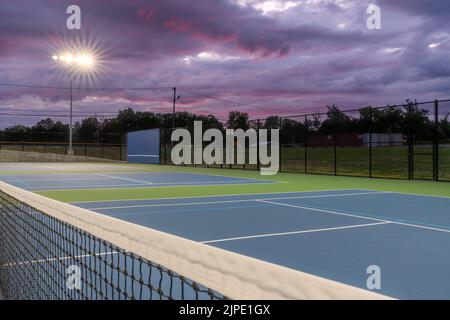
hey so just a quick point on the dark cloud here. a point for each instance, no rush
(301, 59)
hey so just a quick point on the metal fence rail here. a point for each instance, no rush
(410, 141)
(109, 151)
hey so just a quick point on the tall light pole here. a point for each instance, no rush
(70, 151)
(75, 62)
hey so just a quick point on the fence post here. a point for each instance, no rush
(165, 146)
(102, 151)
(120, 147)
(370, 142)
(410, 145)
(257, 145)
(436, 141)
(335, 148)
(306, 144)
(85, 149)
(281, 143)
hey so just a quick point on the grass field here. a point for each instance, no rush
(288, 182)
(387, 162)
(112, 152)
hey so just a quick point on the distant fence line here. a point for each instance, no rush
(410, 141)
(109, 151)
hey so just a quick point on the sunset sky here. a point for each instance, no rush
(261, 57)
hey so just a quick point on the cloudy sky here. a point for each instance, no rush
(263, 57)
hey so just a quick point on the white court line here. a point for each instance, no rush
(297, 232)
(121, 186)
(120, 178)
(59, 179)
(176, 182)
(218, 175)
(20, 263)
(143, 155)
(224, 182)
(234, 201)
(361, 216)
(323, 210)
(226, 195)
(55, 168)
(21, 182)
(83, 187)
(420, 195)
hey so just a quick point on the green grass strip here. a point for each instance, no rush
(288, 183)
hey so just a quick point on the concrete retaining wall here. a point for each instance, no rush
(20, 156)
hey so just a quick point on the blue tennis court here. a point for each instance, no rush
(65, 181)
(335, 234)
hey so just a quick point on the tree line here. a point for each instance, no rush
(409, 119)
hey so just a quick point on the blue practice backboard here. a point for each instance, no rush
(143, 146)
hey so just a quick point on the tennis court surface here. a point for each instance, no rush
(72, 181)
(333, 234)
(273, 245)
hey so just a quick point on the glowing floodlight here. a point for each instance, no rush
(81, 60)
(85, 60)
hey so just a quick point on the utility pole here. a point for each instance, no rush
(174, 102)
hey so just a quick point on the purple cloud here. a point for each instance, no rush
(226, 55)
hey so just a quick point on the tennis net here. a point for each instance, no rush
(52, 250)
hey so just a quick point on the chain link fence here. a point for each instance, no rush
(410, 141)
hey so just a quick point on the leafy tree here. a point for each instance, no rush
(293, 131)
(444, 126)
(88, 130)
(272, 122)
(416, 121)
(238, 120)
(337, 121)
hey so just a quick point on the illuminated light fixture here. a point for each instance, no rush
(83, 60)
(69, 58)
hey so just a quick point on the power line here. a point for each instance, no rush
(81, 88)
(43, 112)
(54, 115)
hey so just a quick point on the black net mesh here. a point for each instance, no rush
(40, 255)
